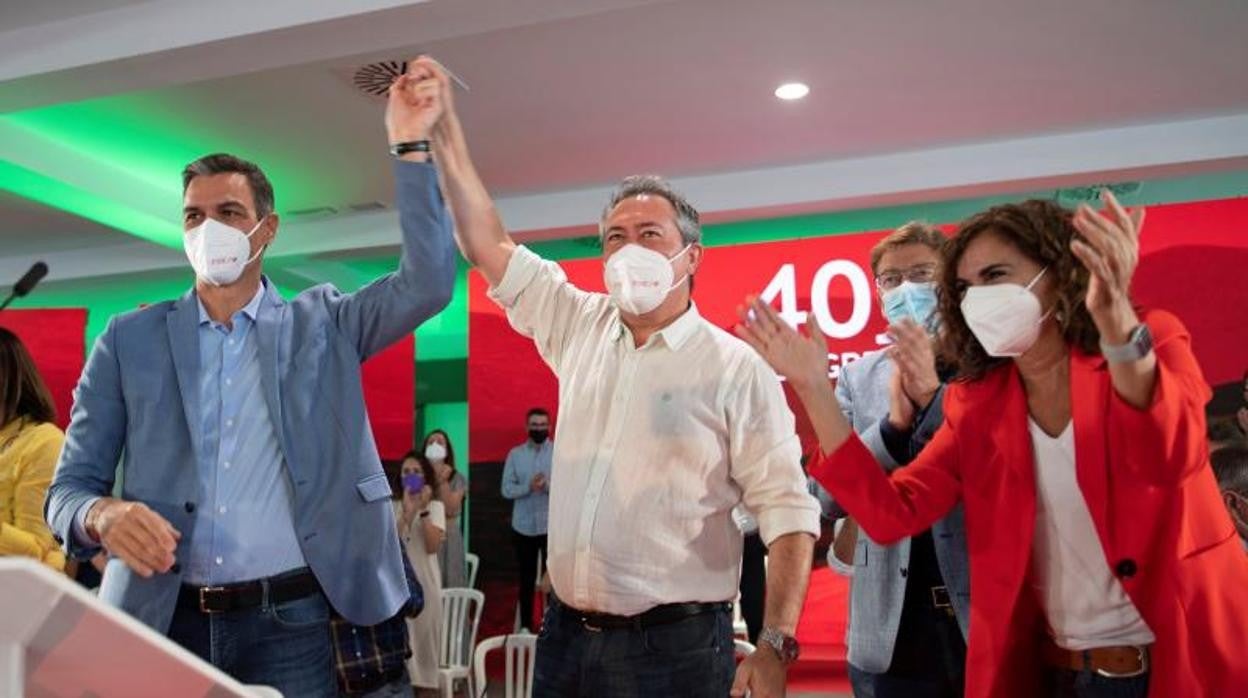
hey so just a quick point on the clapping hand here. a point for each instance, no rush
(1109, 246)
(900, 407)
(914, 361)
(803, 361)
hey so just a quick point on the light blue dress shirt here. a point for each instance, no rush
(244, 528)
(528, 515)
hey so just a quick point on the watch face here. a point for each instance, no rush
(786, 647)
(790, 650)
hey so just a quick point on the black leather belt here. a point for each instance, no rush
(659, 615)
(284, 587)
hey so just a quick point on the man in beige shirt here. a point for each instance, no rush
(665, 423)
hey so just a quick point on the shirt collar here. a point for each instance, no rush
(675, 334)
(250, 310)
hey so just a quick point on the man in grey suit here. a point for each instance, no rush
(909, 602)
(252, 496)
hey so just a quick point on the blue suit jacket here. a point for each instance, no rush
(139, 393)
(878, 589)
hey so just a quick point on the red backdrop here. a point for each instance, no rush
(390, 396)
(1194, 262)
(57, 341)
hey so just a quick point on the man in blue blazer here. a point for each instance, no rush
(252, 495)
(909, 602)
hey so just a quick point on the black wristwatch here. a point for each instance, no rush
(400, 149)
(1139, 343)
(785, 646)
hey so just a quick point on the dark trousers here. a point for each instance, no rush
(1068, 683)
(753, 584)
(286, 646)
(929, 659)
(527, 549)
(691, 658)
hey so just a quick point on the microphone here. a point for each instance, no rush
(27, 283)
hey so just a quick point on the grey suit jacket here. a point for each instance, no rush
(878, 590)
(138, 396)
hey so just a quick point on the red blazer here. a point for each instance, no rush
(1146, 478)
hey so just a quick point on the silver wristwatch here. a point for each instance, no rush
(1139, 343)
(785, 646)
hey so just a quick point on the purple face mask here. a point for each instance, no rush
(413, 482)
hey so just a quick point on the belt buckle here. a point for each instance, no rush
(588, 626)
(940, 598)
(203, 599)
(1142, 652)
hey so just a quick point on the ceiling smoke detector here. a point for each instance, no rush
(374, 79)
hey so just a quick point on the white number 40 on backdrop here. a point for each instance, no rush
(784, 286)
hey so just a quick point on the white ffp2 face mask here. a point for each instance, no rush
(639, 278)
(435, 452)
(217, 252)
(1005, 318)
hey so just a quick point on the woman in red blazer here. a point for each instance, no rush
(1102, 560)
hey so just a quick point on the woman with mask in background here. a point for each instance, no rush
(1102, 561)
(422, 528)
(30, 443)
(452, 490)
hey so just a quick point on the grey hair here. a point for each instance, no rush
(654, 185)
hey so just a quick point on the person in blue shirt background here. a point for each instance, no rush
(526, 481)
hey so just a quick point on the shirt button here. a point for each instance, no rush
(229, 422)
(230, 341)
(221, 510)
(229, 381)
(220, 560)
(190, 507)
(227, 465)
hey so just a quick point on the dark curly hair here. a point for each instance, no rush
(1042, 230)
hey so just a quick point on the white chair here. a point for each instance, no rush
(473, 563)
(461, 616)
(743, 648)
(521, 650)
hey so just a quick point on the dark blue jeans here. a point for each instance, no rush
(929, 659)
(286, 646)
(690, 658)
(1068, 683)
(868, 685)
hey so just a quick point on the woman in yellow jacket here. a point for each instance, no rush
(30, 443)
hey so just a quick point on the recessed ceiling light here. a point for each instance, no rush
(792, 90)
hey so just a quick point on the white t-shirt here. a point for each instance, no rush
(1084, 603)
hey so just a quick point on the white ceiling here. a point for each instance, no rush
(562, 104)
(23, 14)
(46, 229)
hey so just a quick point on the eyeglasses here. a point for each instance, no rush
(921, 274)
